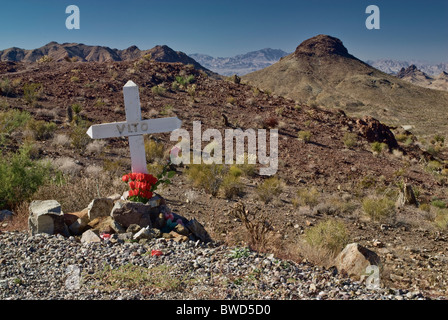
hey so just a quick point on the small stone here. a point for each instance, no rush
(5, 214)
(354, 260)
(115, 226)
(90, 236)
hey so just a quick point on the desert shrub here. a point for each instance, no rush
(425, 207)
(269, 189)
(307, 197)
(438, 204)
(350, 139)
(434, 166)
(379, 209)
(67, 166)
(207, 177)
(378, 147)
(441, 219)
(95, 147)
(20, 177)
(12, 120)
(99, 103)
(231, 186)
(191, 90)
(235, 171)
(304, 136)
(158, 90)
(248, 169)
(257, 225)
(45, 59)
(231, 100)
(154, 150)
(61, 140)
(32, 92)
(183, 82)
(42, 130)
(166, 110)
(78, 136)
(331, 235)
(74, 79)
(401, 137)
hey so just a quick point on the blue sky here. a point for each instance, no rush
(409, 29)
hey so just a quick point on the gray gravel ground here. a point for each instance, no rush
(54, 267)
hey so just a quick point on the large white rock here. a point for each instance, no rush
(46, 217)
(355, 259)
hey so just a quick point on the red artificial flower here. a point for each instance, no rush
(133, 176)
(132, 184)
(140, 176)
(156, 253)
(143, 186)
(125, 178)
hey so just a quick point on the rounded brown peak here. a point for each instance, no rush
(322, 45)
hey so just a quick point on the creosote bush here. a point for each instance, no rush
(380, 209)
(331, 235)
(307, 197)
(305, 136)
(269, 189)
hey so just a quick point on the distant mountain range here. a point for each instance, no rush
(82, 52)
(394, 66)
(240, 64)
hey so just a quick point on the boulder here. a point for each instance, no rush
(355, 259)
(126, 213)
(374, 131)
(90, 236)
(100, 207)
(46, 217)
(198, 230)
(406, 197)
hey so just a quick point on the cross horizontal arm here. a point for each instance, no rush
(126, 129)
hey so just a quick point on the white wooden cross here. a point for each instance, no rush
(134, 127)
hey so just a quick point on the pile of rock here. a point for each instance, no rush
(125, 220)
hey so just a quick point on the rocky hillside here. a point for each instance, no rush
(415, 76)
(332, 167)
(240, 64)
(322, 72)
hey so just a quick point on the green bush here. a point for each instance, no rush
(307, 197)
(304, 136)
(158, 90)
(330, 234)
(379, 208)
(206, 176)
(438, 204)
(42, 130)
(350, 139)
(378, 147)
(78, 136)
(32, 92)
(269, 189)
(20, 177)
(231, 186)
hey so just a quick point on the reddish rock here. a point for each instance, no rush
(375, 131)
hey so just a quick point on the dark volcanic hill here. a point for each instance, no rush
(82, 52)
(321, 71)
